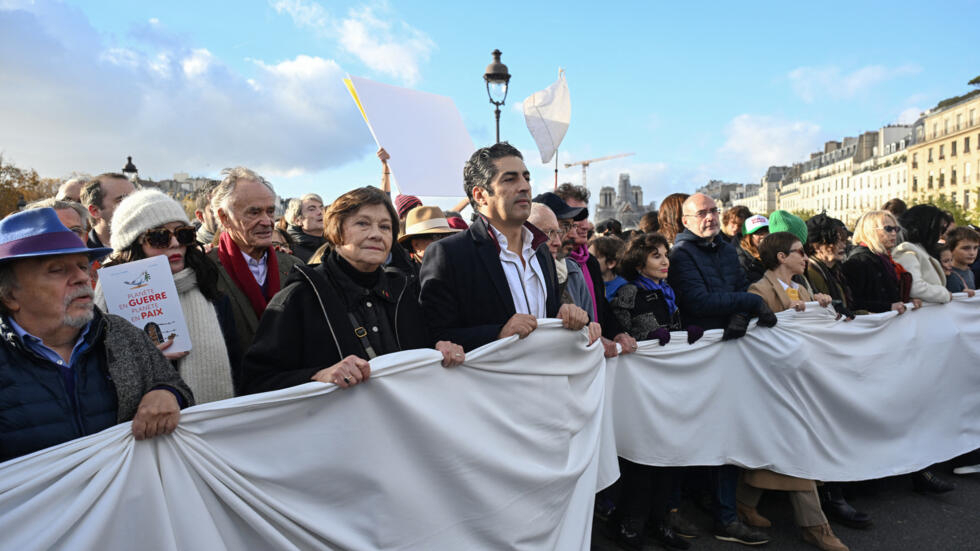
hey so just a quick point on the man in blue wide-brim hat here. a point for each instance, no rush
(66, 369)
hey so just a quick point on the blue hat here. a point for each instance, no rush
(38, 232)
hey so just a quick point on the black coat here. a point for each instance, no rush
(751, 266)
(306, 327)
(709, 281)
(465, 296)
(874, 286)
(304, 244)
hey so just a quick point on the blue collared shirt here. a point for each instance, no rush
(37, 346)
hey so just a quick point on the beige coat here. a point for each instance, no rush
(776, 298)
(928, 277)
(773, 294)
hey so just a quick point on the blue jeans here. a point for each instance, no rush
(725, 481)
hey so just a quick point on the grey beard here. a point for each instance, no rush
(80, 320)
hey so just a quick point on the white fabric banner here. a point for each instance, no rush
(507, 451)
(500, 453)
(548, 114)
(882, 395)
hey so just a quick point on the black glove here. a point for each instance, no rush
(738, 324)
(661, 334)
(694, 332)
(842, 310)
(766, 317)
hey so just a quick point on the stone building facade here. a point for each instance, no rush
(624, 203)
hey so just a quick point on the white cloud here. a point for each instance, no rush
(176, 109)
(756, 142)
(383, 44)
(196, 63)
(909, 115)
(830, 81)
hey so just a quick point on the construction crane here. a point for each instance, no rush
(585, 164)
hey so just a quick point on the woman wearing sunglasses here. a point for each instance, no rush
(878, 283)
(149, 223)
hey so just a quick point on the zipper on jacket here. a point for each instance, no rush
(398, 303)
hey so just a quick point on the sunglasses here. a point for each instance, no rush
(891, 229)
(160, 237)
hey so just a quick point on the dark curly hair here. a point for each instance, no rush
(637, 251)
(823, 230)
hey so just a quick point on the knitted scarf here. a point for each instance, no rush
(894, 269)
(231, 260)
(650, 285)
(580, 256)
(206, 369)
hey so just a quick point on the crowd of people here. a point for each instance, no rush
(318, 293)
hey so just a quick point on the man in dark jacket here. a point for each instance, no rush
(66, 369)
(305, 218)
(613, 332)
(711, 293)
(498, 277)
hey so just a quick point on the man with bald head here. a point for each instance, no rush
(71, 190)
(571, 282)
(712, 294)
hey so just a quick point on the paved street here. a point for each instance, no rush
(904, 520)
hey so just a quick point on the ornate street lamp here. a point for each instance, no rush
(497, 78)
(130, 170)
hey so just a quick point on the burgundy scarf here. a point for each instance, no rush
(231, 260)
(581, 256)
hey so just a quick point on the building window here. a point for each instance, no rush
(952, 176)
(945, 126)
(966, 199)
(915, 157)
(952, 149)
(966, 144)
(915, 183)
(929, 184)
(930, 154)
(935, 130)
(942, 178)
(959, 118)
(971, 116)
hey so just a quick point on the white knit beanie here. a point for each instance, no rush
(142, 210)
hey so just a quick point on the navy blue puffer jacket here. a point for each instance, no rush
(709, 282)
(36, 408)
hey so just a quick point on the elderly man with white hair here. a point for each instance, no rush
(251, 269)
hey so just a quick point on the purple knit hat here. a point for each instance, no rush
(405, 203)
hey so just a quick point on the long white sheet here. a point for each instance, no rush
(507, 451)
(884, 394)
(501, 453)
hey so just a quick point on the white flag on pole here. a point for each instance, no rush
(548, 114)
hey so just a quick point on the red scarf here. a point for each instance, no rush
(232, 261)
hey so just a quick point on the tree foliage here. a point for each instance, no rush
(961, 215)
(804, 214)
(18, 184)
(975, 82)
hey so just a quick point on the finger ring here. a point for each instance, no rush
(458, 355)
(347, 380)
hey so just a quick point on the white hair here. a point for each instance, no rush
(221, 195)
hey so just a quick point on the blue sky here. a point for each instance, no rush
(698, 91)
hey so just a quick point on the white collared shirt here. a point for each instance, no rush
(259, 268)
(525, 279)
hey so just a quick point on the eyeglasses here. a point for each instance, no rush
(801, 252)
(702, 214)
(891, 229)
(160, 237)
(565, 227)
(555, 234)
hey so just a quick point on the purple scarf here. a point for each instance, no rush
(581, 257)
